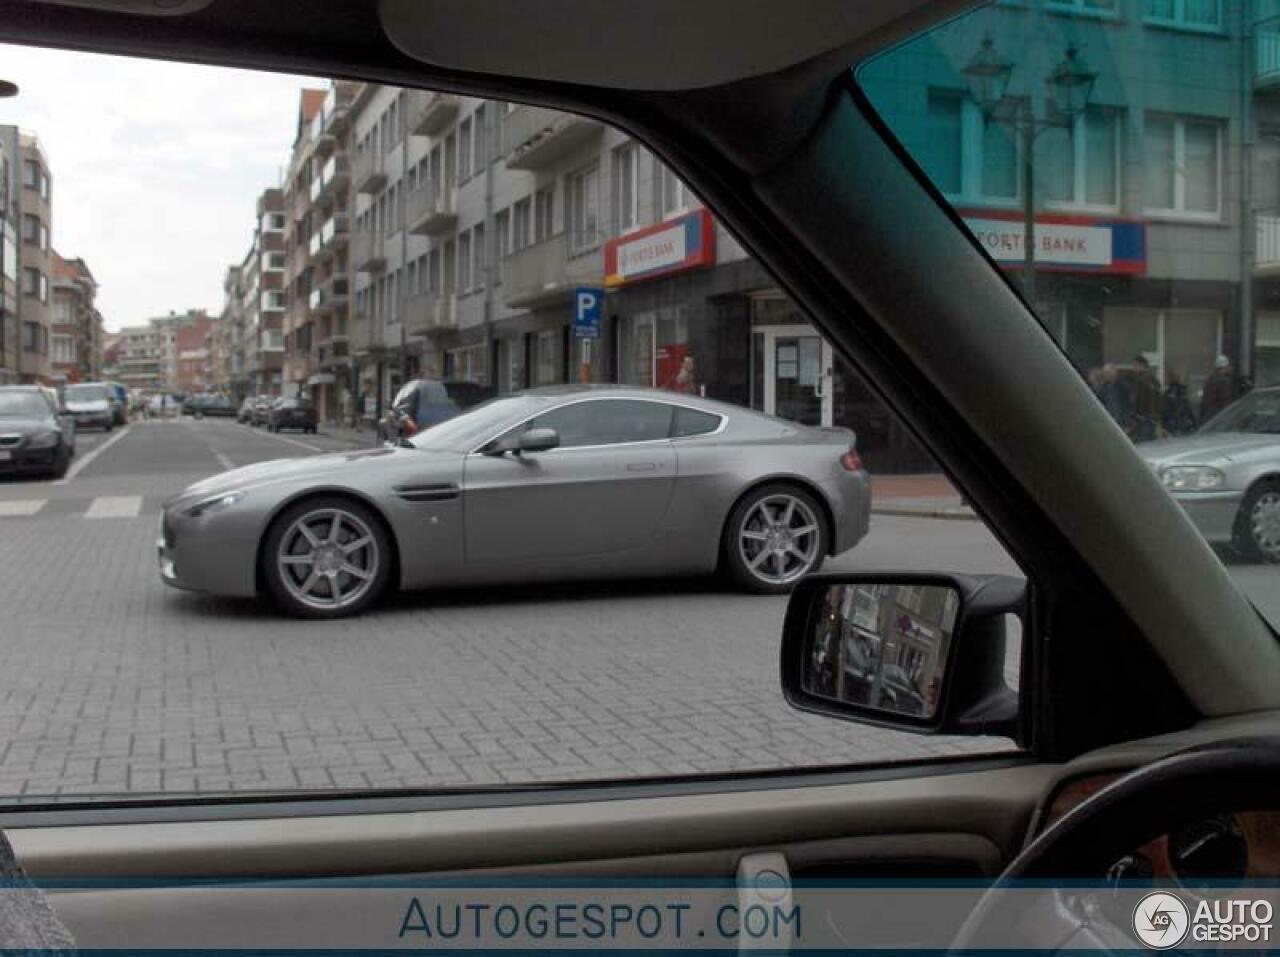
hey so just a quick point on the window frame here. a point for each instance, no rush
(1178, 212)
(1179, 19)
(1080, 171)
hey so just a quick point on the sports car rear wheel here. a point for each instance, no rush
(774, 537)
(326, 558)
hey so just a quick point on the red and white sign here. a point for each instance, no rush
(1064, 243)
(687, 242)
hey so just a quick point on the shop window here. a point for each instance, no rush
(652, 346)
(547, 362)
(1267, 365)
(1081, 165)
(1189, 14)
(1183, 168)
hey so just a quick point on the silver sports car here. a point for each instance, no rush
(1226, 476)
(560, 483)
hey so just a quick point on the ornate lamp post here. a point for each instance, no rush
(1070, 87)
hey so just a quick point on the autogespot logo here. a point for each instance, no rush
(1161, 920)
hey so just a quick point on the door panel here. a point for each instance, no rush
(566, 502)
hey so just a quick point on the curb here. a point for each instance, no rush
(958, 514)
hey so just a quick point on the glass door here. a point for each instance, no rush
(797, 374)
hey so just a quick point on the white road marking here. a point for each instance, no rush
(284, 438)
(21, 507)
(80, 462)
(225, 462)
(115, 506)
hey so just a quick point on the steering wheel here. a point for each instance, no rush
(1236, 775)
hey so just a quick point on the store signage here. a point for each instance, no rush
(686, 242)
(1063, 243)
(586, 312)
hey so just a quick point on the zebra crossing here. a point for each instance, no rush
(94, 508)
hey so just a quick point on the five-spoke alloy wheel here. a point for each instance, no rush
(774, 537)
(326, 558)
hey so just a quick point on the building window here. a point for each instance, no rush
(432, 279)
(64, 350)
(1183, 168)
(464, 262)
(521, 224)
(970, 156)
(31, 174)
(30, 228)
(543, 213)
(584, 209)
(1190, 14)
(673, 195)
(481, 140)
(35, 284)
(478, 255)
(1095, 7)
(626, 187)
(502, 231)
(465, 148)
(1081, 165)
(547, 360)
(33, 337)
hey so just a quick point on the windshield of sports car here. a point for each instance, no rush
(1258, 413)
(1119, 161)
(22, 405)
(255, 573)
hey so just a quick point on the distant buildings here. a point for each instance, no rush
(166, 354)
(76, 348)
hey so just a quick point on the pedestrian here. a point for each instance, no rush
(1176, 414)
(1113, 395)
(1144, 405)
(683, 380)
(1219, 390)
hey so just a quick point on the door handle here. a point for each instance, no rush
(643, 466)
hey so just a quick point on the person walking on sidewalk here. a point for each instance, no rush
(1219, 390)
(1144, 409)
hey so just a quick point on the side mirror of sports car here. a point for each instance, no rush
(928, 653)
(538, 440)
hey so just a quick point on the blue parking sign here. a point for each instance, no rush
(587, 307)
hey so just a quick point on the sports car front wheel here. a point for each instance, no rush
(326, 558)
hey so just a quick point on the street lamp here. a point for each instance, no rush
(7, 89)
(1070, 87)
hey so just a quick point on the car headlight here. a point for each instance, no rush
(215, 504)
(44, 440)
(1192, 478)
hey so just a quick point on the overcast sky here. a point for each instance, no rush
(156, 168)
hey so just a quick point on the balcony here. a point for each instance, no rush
(431, 210)
(368, 171)
(430, 312)
(335, 176)
(333, 235)
(548, 271)
(537, 137)
(322, 139)
(1266, 260)
(430, 113)
(336, 112)
(332, 294)
(368, 252)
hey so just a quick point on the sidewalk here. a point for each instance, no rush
(918, 496)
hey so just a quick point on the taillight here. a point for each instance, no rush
(851, 461)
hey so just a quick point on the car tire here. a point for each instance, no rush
(772, 524)
(330, 592)
(1258, 523)
(62, 466)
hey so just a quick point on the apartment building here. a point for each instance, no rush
(226, 338)
(9, 276)
(264, 272)
(317, 283)
(27, 337)
(139, 355)
(193, 363)
(76, 344)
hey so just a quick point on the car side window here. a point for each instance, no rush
(606, 422)
(689, 422)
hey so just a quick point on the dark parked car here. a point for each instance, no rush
(208, 404)
(422, 403)
(34, 435)
(262, 406)
(297, 414)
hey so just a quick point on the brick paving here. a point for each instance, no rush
(111, 682)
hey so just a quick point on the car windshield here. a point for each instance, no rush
(86, 393)
(22, 405)
(1258, 413)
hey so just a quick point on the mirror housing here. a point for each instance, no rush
(537, 440)
(972, 697)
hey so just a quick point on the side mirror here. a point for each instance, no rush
(537, 440)
(915, 652)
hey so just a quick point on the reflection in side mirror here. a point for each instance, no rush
(883, 646)
(912, 651)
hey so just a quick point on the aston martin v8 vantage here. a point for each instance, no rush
(555, 484)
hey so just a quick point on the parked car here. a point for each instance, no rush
(768, 504)
(1226, 475)
(244, 414)
(92, 404)
(122, 401)
(292, 413)
(262, 409)
(35, 435)
(422, 403)
(207, 403)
